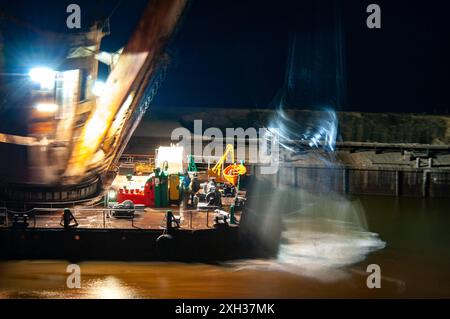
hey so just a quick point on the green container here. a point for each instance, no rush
(161, 188)
(192, 167)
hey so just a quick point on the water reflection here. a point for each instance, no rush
(109, 288)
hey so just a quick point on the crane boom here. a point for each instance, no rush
(217, 170)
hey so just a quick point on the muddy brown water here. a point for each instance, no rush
(414, 263)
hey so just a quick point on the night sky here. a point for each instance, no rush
(234, 53)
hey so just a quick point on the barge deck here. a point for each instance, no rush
(99, 236)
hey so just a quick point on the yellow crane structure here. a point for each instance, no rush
(229, 174)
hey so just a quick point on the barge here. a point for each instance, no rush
(87, 231)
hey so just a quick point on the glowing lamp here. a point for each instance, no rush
(44, 76)
(46, 107)
(112, 195)
(99, 88)
(173, 156)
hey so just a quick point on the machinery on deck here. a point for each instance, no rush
(158, 189)
(229, 174)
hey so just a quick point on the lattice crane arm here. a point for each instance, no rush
(218, 168)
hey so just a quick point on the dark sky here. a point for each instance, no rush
(234, 53)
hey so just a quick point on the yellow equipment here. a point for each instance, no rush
(229, 174)
(142, 168)
(174, 187)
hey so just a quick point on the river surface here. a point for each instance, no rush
(412, 249)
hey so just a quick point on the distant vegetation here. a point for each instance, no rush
(355, 127)
(394, 128)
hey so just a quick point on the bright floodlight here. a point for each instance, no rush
(44, 76)
(112, 194)
(174, 157)
(46, 107)
(99, 88)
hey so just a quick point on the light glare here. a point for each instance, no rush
(46, 107)
(44, 76)
(112, 195)
(99, 88)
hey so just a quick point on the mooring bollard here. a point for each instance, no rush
(232, 215)
(67, 218)
(169, 220)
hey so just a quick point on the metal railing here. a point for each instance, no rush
(104, 218)
(51, 205)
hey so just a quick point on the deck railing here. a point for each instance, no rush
(103, 218)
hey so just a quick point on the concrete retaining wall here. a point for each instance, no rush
(360, 181)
